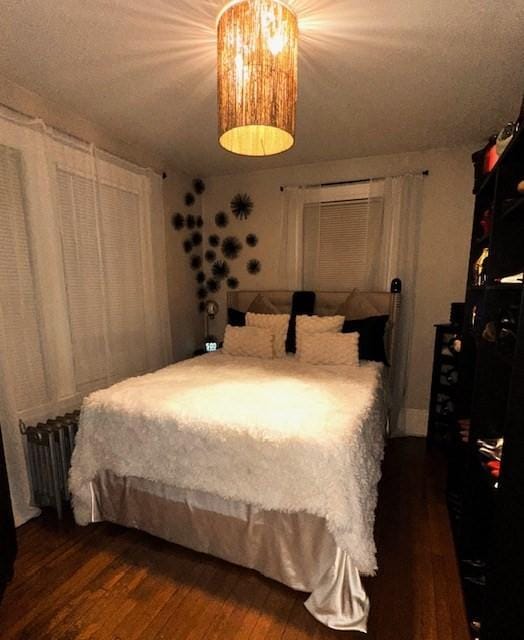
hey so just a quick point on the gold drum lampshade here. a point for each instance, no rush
(257, 77)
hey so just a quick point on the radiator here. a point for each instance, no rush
(49, 447)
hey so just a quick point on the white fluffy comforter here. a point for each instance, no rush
(277, 434)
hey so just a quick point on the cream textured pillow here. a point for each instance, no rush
(317, 324)
(357, 307)
(330, 348)
(277, 323)
(250, 342)
(262, 305)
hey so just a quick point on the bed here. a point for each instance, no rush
(270, 464)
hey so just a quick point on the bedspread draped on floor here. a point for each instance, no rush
(276, 434)
(294, 548)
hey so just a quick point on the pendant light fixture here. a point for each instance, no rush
(257, 77)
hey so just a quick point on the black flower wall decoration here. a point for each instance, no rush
(187, 245)
(202, 306)
(210, 255)
(221, 219)
(178, 221)
(241, 206)
(200, 277)
(231, 247)
(213, 285)
(201, 293)
(253, 266)
(251, 240)
(220, 269)
(195, 263)
(232, 283)
(196, 238)
(190, 221)
(199, 186)
(189, 199)
(214, 240)
(199, 222)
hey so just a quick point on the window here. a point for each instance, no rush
(124, 277)
(82, 281)
(102, 252)
(339, 233)
(83, 288)
(83, 276)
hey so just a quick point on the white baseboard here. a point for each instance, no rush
(413, 422)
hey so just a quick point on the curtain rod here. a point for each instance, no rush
(425, 172)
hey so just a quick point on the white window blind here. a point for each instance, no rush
(102, 255)
(20, 322)
(124, 276)
(335, 245)
(83, 276)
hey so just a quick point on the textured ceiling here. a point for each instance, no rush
(374, 76)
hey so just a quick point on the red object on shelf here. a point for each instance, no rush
(494, 468)
(486, 222)
(491, 158)
(464, 428)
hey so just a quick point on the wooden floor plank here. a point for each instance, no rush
(104, 582)
(241, 614)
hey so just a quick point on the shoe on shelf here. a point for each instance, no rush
(474, 563)
(479, 581)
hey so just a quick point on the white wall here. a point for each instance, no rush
(443, 251)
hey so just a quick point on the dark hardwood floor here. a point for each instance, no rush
(107, 582)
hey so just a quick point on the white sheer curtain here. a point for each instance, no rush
(398, 258)
(383, 217)
(291, 231)
(83, 298)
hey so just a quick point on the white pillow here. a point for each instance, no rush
(250, 342)
(277, 323)
(330, 348)
(316, 324)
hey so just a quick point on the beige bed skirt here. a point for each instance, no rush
(294, 548)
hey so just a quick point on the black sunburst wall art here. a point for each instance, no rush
(221, 219)
(192, 223)
(232, 282)
(198, 186)
(178, 221)
(220, 269)
(253, 267)
(230, 247)
(241, 206)
(251, 240)
(195, 262)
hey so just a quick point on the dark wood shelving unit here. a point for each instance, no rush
(514, 207)
(487, 504)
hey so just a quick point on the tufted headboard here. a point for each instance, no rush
(326, 304)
